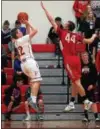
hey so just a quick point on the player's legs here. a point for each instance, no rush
(73, 67)
(73, 93)
(31, 69)
(35, 86)
(79, 88)
(71, 105)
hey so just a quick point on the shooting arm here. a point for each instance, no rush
(30, 29)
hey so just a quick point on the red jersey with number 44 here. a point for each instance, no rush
(68, 42)
(24, 48)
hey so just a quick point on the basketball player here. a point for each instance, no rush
(71, 60)
(28, 64)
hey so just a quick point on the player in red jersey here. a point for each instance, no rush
(71, 60)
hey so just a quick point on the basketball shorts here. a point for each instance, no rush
(73, 67)
(31, 69)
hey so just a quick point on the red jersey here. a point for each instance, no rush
(69, 41)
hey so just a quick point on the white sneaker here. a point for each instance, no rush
(27, 118)
(87, 104)
(69, 107)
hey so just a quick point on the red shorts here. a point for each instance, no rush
(98, 61)
(73, 67)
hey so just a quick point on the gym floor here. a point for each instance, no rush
(50, 125)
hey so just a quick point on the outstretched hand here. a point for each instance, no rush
(42, 5)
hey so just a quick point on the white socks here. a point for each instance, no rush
(34, 98)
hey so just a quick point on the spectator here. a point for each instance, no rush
(3, 77)
(87, 26)
(18, 72)
(12, 97)
(3, 56)
(96, 10)
(89, 8)
(53, 36)
(88, 80)
(40, 105)
(79, 8)
(5, 33)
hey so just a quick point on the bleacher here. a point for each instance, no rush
(55, 94)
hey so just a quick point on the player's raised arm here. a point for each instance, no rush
(50, 18)
(90, 40)
(30, 29)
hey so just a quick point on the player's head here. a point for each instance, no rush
(16, 33)
(58, 21)
(69, 26)
(85, 57)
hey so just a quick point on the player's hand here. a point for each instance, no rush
(42, 5)
(90, 87)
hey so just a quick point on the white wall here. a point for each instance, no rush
(10, 9)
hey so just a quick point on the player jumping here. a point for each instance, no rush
(71, 60)
(28, 64)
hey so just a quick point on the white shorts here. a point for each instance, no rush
(31, 69)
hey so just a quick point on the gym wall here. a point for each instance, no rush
(37, 17)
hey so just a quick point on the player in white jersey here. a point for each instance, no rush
(28, 64)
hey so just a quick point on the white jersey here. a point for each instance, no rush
(24, 48)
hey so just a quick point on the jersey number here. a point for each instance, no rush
(69, 38)
(20, 50)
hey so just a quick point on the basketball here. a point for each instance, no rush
(22, 16)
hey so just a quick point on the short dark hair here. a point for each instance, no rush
(58, 19)
(17, 22)
(13, 33)
(71, 26)
(6, 22)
